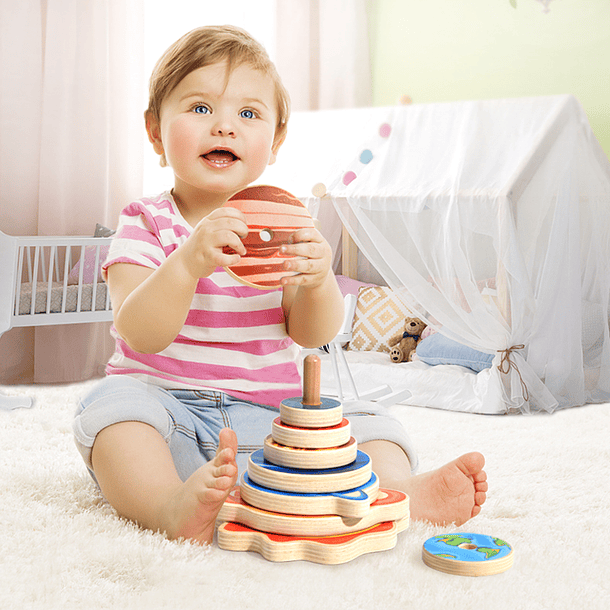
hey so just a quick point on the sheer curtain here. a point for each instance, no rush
(70, 149)
(323, 53)
(490, 219)
(323, 59)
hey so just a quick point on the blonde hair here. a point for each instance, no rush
(205, 46)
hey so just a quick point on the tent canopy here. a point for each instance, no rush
(490, 219)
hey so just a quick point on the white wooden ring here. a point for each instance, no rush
(311, 438)
(297, 457)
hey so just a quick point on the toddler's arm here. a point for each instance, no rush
(150, 305)
(312, 301)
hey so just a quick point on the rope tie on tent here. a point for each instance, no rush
(506, 364)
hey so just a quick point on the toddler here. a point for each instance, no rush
(202, 362)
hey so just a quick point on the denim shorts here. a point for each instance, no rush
(190, 421)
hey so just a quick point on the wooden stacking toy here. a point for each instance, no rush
(310, 494)
(272, 216)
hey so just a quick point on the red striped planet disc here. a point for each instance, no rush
(272, 215)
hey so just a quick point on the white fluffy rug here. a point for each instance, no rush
(62, 546)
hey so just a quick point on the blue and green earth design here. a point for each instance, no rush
(467, 547)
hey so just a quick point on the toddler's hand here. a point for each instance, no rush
(315, 264)
(202, 252)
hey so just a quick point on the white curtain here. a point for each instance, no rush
(491, 220)
(322, 53)
(70, 149)
(322, 56)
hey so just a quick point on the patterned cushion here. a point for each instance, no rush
(380, 316)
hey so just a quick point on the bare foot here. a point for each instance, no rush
(194, 507)
(452, 494)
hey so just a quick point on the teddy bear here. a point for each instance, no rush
(402, 347)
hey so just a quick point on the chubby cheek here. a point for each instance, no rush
(179, 141)
(260, 153)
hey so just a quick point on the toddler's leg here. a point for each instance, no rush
(452, 494)
(136, 473)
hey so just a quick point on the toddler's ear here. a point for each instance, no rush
(274, 150)
(153, 129)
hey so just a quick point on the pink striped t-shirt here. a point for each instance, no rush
(234, 338)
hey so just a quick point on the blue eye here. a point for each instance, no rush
(247, 114)
(199, 109)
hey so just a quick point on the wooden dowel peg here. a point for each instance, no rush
(311, 380)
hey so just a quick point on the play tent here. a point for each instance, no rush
(490, 220)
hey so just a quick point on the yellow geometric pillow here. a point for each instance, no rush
(380, 316)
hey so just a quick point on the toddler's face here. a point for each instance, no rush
(218, 133)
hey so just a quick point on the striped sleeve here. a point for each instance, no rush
(137, 240)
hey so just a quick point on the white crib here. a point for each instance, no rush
(49, 281)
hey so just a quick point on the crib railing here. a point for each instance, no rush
(49, 287)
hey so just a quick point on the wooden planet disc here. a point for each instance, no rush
(390, 505)
(467, 554)
(272, 215)
(351, 503)
(328, 550)
(297, 457)
(328, 413)
(323, 480)
(311, 438)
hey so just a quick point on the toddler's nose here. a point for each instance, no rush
(223, 127)
(225, 131)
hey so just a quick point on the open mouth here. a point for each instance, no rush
(220, 157)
